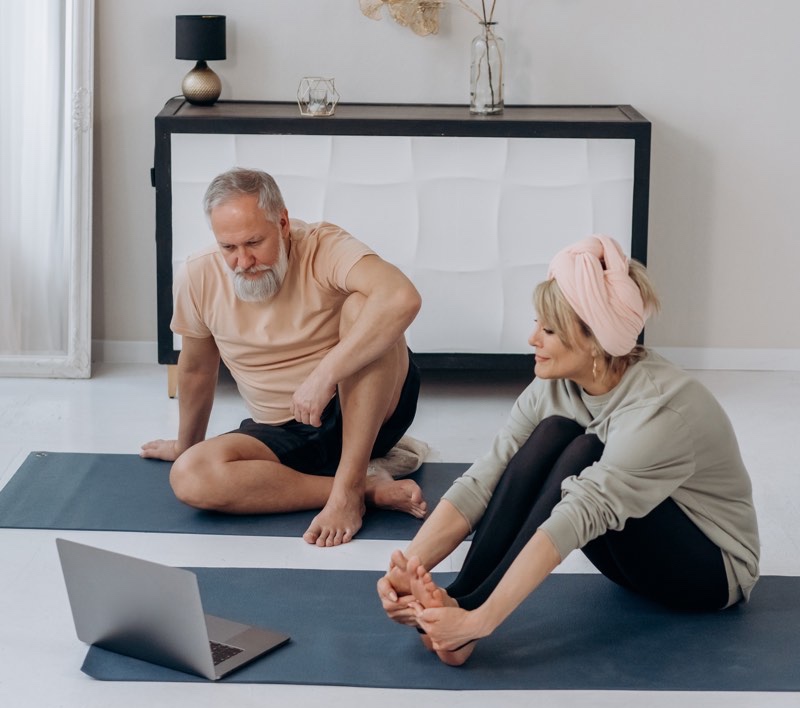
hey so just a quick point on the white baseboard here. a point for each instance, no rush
(700, 358)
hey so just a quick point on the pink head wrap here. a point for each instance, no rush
(593, 276)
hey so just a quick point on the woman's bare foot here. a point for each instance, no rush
(427, 642)
(428, 594)
(385, 492)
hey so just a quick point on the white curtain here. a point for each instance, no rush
(34, 282)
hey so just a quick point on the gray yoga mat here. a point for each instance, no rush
(576, 632)
(112, 492)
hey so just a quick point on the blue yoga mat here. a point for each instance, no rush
(108, 492)
(576, 632)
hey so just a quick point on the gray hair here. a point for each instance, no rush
(240, 181)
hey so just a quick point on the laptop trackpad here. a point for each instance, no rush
(223, 630)
(253, 640)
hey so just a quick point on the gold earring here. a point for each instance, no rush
(594, 369)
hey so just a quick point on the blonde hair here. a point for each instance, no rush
(553, 309)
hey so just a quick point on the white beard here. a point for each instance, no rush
(267, 285)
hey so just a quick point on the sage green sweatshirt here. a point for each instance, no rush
(665, 435)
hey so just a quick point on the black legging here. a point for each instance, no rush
(663, 555)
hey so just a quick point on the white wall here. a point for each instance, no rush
(717, 79)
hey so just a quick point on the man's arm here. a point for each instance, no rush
(382, 304)
(390, 306)
(392, 303)
(198, 368)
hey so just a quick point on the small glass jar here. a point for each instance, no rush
(486, 71)
(317, 96)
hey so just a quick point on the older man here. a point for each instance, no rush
(310, 322)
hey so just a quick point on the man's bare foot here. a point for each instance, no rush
(384, 492)
(336, 524)
(428, 594)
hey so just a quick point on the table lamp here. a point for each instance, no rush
(201, 38)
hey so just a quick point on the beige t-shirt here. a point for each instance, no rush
(271, 347)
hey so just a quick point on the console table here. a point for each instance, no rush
(471, 208)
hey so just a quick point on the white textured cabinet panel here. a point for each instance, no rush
(471, 208)
(472, 221)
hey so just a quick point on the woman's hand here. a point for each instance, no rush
(394, 590)
(452, 628)
(399, 608)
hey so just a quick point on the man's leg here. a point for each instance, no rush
(368, 399)
(238, 474)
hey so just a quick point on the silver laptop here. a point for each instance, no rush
(153, 612)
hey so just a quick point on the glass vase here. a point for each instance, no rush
(486, 71)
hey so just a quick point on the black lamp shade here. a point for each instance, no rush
(200, 37)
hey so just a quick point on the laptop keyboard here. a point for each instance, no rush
(221, 652)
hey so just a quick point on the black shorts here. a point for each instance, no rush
(317, 450)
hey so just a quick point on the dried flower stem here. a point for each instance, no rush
(491, 10)
(487, 32)
(482, 16)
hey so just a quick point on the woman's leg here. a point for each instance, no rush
(665, 557)
(524, 498)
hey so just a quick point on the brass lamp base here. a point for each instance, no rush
(201, 86)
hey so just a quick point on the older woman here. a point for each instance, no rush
(611, 450)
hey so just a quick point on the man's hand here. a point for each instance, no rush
(310, 400)
(161, 450)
